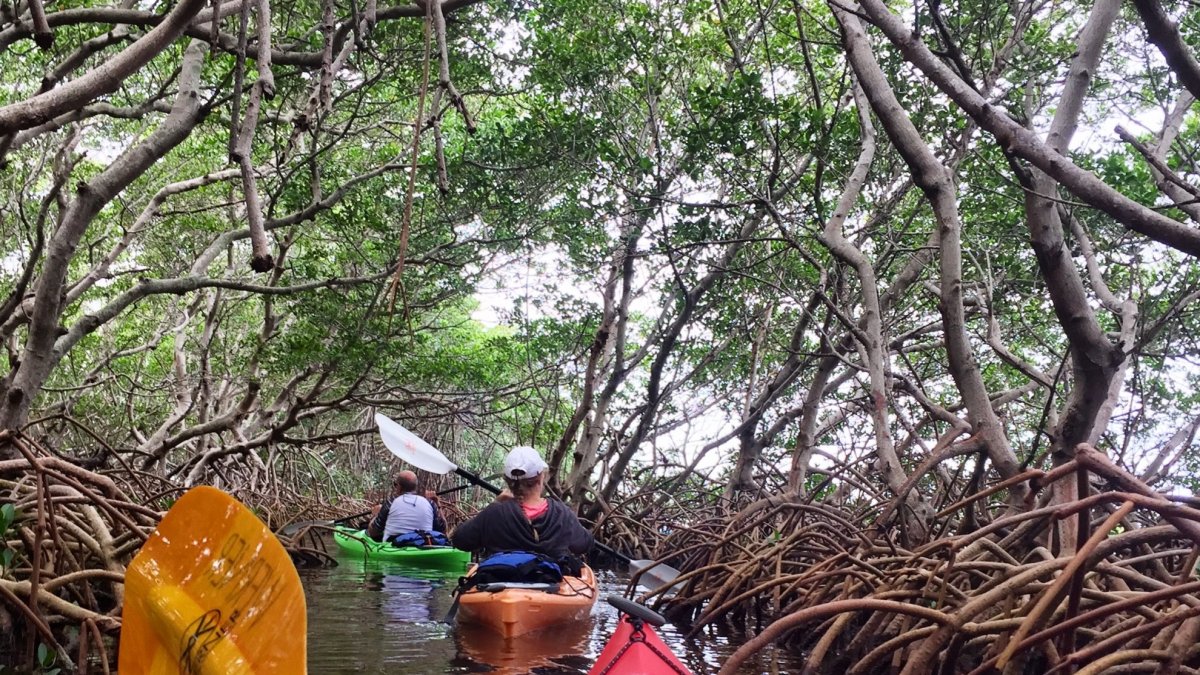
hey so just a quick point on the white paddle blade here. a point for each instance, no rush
(410, 448)
(656, 576)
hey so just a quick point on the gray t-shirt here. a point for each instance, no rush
(406, 513)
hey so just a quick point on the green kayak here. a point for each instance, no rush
(358, 544)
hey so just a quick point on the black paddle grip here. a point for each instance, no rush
(636, 610)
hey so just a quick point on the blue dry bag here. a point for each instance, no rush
(516, 566)
(420, 538)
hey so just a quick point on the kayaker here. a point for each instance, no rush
(405, 511)
(521, 519)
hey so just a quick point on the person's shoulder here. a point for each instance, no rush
(561, 508)
(508, 508)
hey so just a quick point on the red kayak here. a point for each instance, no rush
(634, 648)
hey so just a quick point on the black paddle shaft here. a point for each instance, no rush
(473, 478)
(347, 519)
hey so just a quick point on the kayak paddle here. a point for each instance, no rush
(212, 592)
(410, 448)
(292, 528)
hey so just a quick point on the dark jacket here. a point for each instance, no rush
(502, 526)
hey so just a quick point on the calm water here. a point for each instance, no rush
(374, 618)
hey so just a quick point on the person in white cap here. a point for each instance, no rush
(521, 519)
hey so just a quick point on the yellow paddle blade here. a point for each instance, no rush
(212, 593)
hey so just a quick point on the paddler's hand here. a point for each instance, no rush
(431, 495)
(504, 495)
(375, 511)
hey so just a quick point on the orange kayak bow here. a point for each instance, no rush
(515, 609)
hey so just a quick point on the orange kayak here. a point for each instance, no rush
(515, 609)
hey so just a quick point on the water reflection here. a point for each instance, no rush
(406, 600)
(364, 617)
(561, 649)
(368, 617)
(402, 595)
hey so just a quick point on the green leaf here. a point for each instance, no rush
(8, 514)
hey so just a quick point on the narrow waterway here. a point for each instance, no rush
(366, 617)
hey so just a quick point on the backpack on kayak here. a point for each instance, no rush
(515, 567)
(420, 539)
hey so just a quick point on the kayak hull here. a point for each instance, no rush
(517, 611)
(628, 653)
(358, 544)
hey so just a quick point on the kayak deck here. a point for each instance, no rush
(356, 542)
(636, 649)
(516, 611)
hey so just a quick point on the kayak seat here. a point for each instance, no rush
(425, 548)
(504, 586)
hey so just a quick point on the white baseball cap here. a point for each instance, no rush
(523, 462)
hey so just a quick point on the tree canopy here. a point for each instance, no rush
(724, 234)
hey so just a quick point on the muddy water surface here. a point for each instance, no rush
(373, 618)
